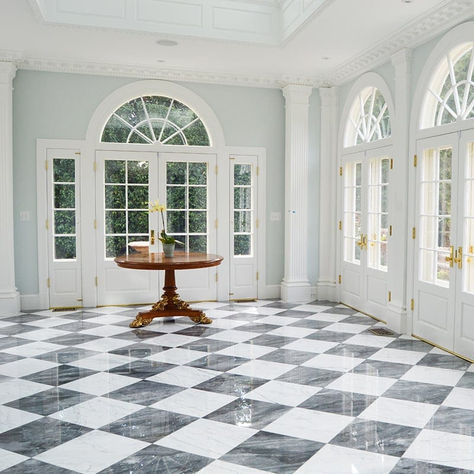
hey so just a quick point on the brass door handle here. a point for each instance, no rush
(362, 242)
(458, 257)
(451, 259)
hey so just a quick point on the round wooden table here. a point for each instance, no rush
(170, 303)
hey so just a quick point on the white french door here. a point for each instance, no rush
(243, 227)
(444, 274)
(188, 189)
(365, 230)
(125, 183)
(64, 229)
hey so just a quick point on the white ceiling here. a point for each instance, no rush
(336, 39)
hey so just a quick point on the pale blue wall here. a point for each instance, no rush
(56, 105)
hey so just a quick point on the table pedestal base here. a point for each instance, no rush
(169, 305)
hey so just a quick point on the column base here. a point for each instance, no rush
(397, 319)
(9, 302)
(296, 292)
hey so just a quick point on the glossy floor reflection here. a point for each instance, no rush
(268, 387)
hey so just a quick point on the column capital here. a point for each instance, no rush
(296, 93)
(7, 72)
(328, 96)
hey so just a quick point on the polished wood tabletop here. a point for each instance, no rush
(158, 261)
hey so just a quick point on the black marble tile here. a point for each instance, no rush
(412, 466)
(245, 317)
(198, 331)
(24, 318)
(139, 350)
(33, 466)
(219, 362)
(418, 392)
(231, 384)
(249, 413)
(207, 345)
(137, 335)
(293, 313)
(16, 329)
(281, 305)
(382, 369)
(141, 369)
(311, 324)
(149, 424)
(310, 376)
(273, 452)
(330, 336)
(144, 392)
(59, 375)
(410, 345)
(66, 355)
(444, 361)
(256, 327)
(365, 320)
(272, 340)
(467, 380)
(324, 303)
(39, 436)
(77, 326)
(453, 420)
(288, 356)
(6, 358)
(73, 339)
(159, 460)
(341, 403)
(50, 401)
(81, 315)
(334, 310)
(8, 342)
(353, 350)
(376, 437)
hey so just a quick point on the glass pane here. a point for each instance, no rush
(427, 259)
(114, 196)
(64, 170)
(176, 140)
(136, 138)
(428, 198)
(114, 171)
(64, 222)
(196, 134)
(138, 172)
(168, 131)
(197, 198)
(444, 198)
(65, 248)
(157, 107)
(242, 221)
(357, 227)
(132, 112)
(384, 199)
(176, 222)
(183, 239)
(358, 202)
(176, 197)
(115, 246)
(197, 222)
(428, 170)
(385, 169)
(64, 196)
(176, 172)
(349, 200)
(242, 198)
(445, 163)
(358, 174)
(197, 173)
(198, 243)
(138, 222)
(444, 232)
(180, 114)
(428, 232)
(242, 244)
(243, 174)
(115, 131)
(137, 197)
(115, 222)
(383, 254)
(442, 269)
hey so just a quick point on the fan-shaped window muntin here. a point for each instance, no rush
(155, 120)
(369, 119)
(450, 96)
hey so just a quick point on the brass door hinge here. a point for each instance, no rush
(340, 279)
(216, 169)
(258, 170)
(390, 231)
(95, 223)
(340, 225)
(389, 296)
(96, 281)
(340, 170)
(216, 223)
(391, 163)
(257, 223)
(48, 282)
(46, 224)
(46, 165)
(94, 166)
(217, 277)
(77, 152)
(415, 160)
(257, 276)
(413, 233)
(412, 304)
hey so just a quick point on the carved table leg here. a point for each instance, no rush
(170, 304)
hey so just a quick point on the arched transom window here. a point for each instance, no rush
(450, 96)
(369, 118)
(155, 119)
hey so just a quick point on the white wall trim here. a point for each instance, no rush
(32, 302)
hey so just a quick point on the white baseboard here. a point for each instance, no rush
(326, 291)
(9, 302)
(269, 291)
(396, 318)
(296, 292)
(31, 302)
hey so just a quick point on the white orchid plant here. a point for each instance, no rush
(164, 238)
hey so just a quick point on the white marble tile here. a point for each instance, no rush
(207, 438)
(227, 323)
(360, 383)
(166, 327)
(9, 459)
(369, 340)
(96, 412)
(23, 367)
(433, 375)
(234, 336)
(248, 351)
(220, 313)
(5, 324)
(18, 388)
(347, 327)
(209, 305)
(171, 340)
(332, 459)
(460, 398)
(283, 393)
(92, 452)
(104, 344)
(447, 449)
(264, 310)
(184, 376)
(176, 356)
(399, 412)
(49, 322)
(222, 467)
(106, 330)
(262, 369)
(310, 345)
(309, 424)
(100, 384)
(193, 402)
(398, 356)
(329, 317)
(333, 362)
(101, 362)
(436, 350)
(275, 319)
(313, 308)
(110, 318)
(55, 314)
(33, 349)
(11, 418)
(471, 368)
(42, 334)
(287, 331)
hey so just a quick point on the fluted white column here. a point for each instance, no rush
(326, 287)
(9, 297)
(295, 285)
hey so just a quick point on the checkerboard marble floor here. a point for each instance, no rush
(268, 387)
